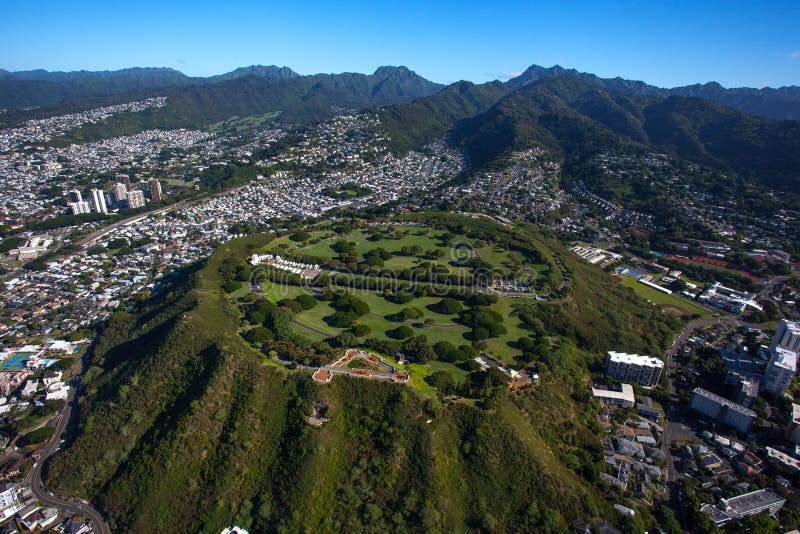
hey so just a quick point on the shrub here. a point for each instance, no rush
(447, 352)
(37, 436)
(442, 381)
(341, 319)
(361, 330)
(292, 304)
(401, 332)
(346, 339)
(231, 286)
(299, 236)
(259, 334)
(306, 301)
(448, 306)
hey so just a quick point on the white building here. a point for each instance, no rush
(624, 398)
(31, 387)
(728, 299)
(753, 503)
(787, 336)
(75, 196)
(780, 370)
(794, 427)
(9, 505)
(120, 192)
(79, 208)
(135, 198)
(57, 391)
(154, 188)
(723, 410)
(99, 201)
(644, 371)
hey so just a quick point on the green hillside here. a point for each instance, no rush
(182, 423)
(299, 99)
(426, 119)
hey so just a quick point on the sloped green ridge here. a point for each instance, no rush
(183, 427)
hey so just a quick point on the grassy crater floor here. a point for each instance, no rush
(451, 249)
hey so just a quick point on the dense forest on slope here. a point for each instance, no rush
(182, 424)
(298, 99)
(426, 119)
(579, 120)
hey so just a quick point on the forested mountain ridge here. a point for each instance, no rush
(387, 85)
(579, 120)
(779, 104)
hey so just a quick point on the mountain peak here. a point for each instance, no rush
(388, 70)
(272, 72)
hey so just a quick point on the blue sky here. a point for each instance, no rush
(666, 43)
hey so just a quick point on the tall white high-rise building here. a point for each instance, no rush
(125, 180)
(120, 192)
(722, 409)
(154, 188)
(642, 370)
(99, 201)
(787, 336)
(135, 199)
(780, 370)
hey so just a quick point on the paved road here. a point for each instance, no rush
(34, 476)
(673, 428)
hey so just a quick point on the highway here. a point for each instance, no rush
(34, 477)
(95, 236)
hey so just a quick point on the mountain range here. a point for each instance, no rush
(781, 103)
(574, 114)
(36, 88)
(40, 88)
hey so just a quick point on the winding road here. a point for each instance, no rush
(34, 477)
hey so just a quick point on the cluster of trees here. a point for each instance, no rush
(233, 272)
(348, 309)
(415, 347)
(269, 320)
(348, 190)
(485, 323)
(489, 384)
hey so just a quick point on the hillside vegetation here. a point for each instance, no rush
(579, 120)
(182, 423)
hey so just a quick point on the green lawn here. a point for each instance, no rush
(670, 302)
(444, 328)
(497, 347)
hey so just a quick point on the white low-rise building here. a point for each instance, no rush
(624, 398)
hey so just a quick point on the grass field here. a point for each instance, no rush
(668, 303)
(237, 125)
(311, 323)
(444, 327)
(427, 240)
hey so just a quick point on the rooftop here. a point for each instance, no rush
(784, 358)
(725, 402)
(626, 394)
(750, 502)
(634, 359)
